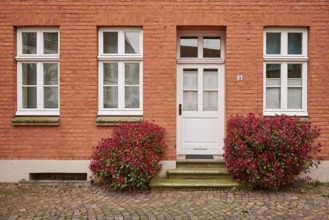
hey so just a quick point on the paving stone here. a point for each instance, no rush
(72, 202)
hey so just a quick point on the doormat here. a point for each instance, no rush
(189, 156)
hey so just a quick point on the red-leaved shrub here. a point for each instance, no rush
(130, 157)
(269, 152)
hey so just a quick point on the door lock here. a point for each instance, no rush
(180, 109)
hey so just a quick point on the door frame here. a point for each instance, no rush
(220, 112)
(200, 61)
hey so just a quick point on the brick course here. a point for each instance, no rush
(78, 22)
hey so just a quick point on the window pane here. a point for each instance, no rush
(190, 101)
(273, 43)
(294, 43)
(29, 42)
(132, 97)
(29, 73)
(29, 97)
(294, 82)
(295, 71)
(295, 98)
(294, 74)
(132, 73)
(210, 101)
(211, 47)
(50, 74)
(190, 79)
(50, 43)
(110, 42)
(273, 100)
(111, 97)
(273, 71)
(132, 42)
(110, 74)
(273, 82)
(189, 47)
(50, 97)
(210, 79)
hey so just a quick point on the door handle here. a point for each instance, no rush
(180, 109)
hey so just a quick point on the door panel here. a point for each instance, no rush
(200, 124)
(193, 126)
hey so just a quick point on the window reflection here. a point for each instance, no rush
(273, 43)
(132, 42)
(211, 47)
(294, 43)
(110, 42)
(189, 47)
(50, 43)
(29, 42)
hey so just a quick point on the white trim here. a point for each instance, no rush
(39, 32)
(219, 114)
(40, 110)
(200, 63)
(284, 41)
(284, 93)
(37, 112)
(290, 113)
(120, 58)
(120, 42)
(39, 59)
(200, 35)
(284, 59)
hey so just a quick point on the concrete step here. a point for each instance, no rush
(217, 162)
(192, 184)
(199, 173)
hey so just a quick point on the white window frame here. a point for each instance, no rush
(121, 58)
(200, 59)
(284, 59)
(39, 59)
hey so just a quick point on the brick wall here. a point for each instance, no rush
(79, 21)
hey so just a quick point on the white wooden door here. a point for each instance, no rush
(200, 109)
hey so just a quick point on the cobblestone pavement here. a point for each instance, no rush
(72, 202)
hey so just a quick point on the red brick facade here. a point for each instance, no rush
(78, 22)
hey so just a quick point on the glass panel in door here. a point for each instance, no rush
(210, 90)
(190, 89)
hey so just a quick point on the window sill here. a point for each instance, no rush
(114, 120)
(35, 121)
(301, 114)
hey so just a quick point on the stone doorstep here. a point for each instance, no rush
(199, 173)
(54, 182)
(216, 171)
(193, 184)
(196, 174)
(217, 162)
(217, 159)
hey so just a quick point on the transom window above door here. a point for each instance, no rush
(200, 46)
